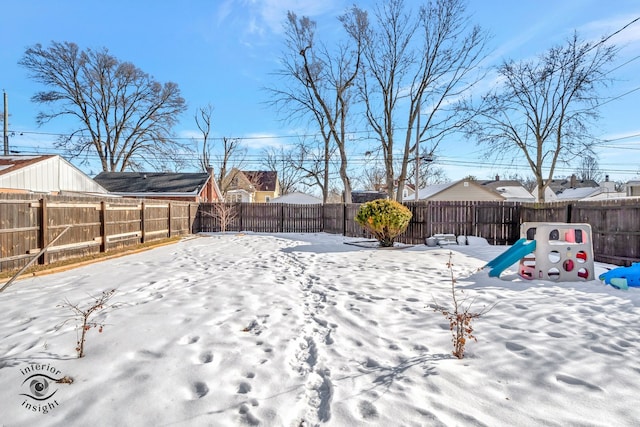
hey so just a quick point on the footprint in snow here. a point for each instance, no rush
(201, 389)
(567, 379)
(206, 357)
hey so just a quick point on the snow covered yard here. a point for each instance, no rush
(301, 330)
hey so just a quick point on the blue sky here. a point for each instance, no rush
(224, 53)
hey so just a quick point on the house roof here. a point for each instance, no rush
(578, 193)
(153, 182)
(560, 185)
(10, 164)
(44, 174)
(511, 190)
(432, 190)
(262, 180)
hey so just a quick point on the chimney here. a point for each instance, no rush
(573, 181)
(497, 177)
(210, 191)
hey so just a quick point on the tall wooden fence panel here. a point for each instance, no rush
(497, 222)
(615, 225)
(302, 218)
(260, 217)
(19, 231)
(333, 218)
(90, 225)
(546, 212)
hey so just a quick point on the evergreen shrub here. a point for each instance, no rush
(385, 219)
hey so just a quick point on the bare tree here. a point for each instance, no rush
(529, 182)
(230, 152)
(418, 63)
(320, 83)
(588, 170)
(203, 121)
(280, 160)
(232, 157)
(541, 110)
(430, 172)
(124, 115)
(312, 159)
(373, 178)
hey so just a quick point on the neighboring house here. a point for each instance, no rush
(266, 184)
(511, 190)
(50, 174)
(297, 198)
(192, 187)
(573, 189)
(251, 186)
(367, 196)
(633, 189)
(549, 195)
(466, 190)
(408, 191)
(558, 186)
(577, 193)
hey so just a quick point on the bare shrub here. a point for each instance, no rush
(459, 316)
(224, 213)
(82, 315)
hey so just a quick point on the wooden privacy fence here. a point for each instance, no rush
(28, 223)
(615, 223)
(498, 222)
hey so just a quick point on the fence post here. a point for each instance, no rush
(142, 222)
(169, 218)
(344, 219)
(282, 217)
(44, 230)
(103, 226)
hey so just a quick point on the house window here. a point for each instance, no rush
(234, 197)
(267, 198)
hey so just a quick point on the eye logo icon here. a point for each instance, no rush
(39, 387)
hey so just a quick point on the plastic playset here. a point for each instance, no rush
(549, 251)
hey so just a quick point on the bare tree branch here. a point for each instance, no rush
(541, 110)
(124, 116)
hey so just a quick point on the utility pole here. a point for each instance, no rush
(6, 125)
(418, 149)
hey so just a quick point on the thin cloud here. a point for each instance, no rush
(604, 27)
(267, 16)
(262, 140)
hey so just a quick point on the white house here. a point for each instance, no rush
(297, 198)
(50, 174)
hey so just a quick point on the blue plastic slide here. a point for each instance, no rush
(623, 277)
(510, 256)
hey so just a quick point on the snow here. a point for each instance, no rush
(302, 329)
